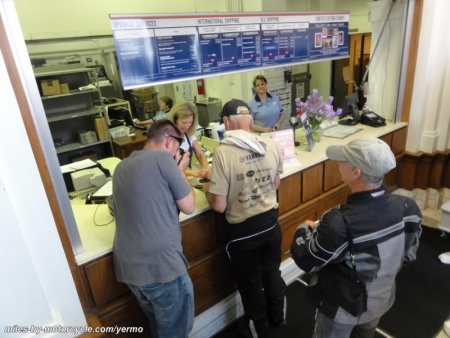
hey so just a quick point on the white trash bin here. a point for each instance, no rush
(444, 225)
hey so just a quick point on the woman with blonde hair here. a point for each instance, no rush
(185, 117)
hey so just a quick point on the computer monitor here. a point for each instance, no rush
(120, 114)
(350, 111)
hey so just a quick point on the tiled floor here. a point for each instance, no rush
(433, 217)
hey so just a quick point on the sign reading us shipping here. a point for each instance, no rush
(157, 49)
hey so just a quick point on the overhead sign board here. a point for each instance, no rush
(155, 49)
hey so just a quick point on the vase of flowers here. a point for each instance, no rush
(316, 133)
(317, 111)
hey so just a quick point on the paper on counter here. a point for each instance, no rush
(83, 164)
(291, 162)
(105, 190)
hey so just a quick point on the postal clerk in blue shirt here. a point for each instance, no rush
(265, 108)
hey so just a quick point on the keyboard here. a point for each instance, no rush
(347, 122)
(140, 127)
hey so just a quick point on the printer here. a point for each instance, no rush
(88, 180)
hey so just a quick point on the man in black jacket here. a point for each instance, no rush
(385, 230)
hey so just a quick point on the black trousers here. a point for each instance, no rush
(255, 260)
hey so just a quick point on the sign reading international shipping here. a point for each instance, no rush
(156, 49)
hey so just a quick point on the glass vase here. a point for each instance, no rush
(316, 133)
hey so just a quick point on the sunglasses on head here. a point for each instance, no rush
(179, 139)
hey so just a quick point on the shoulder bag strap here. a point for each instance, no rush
(190, 149)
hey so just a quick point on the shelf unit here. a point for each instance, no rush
(73, 111)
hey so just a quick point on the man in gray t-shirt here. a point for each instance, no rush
(149, 190)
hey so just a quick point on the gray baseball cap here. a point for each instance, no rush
(372, 155)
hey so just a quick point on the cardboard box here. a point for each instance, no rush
(118, 132)
(142, 95)
(87, 137)
(50, 87)
(101, 129)
(143, 91)
(64, 87)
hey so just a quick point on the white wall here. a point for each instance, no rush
(359, 22)
(320, 72)
(358, 10)
(430, 116)
(37, 286)
(274, 6)
(53, 19)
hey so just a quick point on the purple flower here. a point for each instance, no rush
(316, 108)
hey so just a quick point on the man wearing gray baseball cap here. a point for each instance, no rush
(371, 155)
(374, 233)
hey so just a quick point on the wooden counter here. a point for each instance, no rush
(305, 192)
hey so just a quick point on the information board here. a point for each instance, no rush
(156, 49)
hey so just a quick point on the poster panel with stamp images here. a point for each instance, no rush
(285, 140)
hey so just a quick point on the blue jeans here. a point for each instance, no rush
(168, 306)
